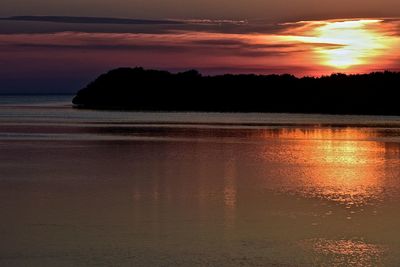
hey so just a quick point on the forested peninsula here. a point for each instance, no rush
(154, 90)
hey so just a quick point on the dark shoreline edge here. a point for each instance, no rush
(137, 89)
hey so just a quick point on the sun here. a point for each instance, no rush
(344, 44)
(349, 43)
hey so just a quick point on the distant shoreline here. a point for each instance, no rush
(137, 89)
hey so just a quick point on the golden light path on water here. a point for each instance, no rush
(341, 166)
(343, 170)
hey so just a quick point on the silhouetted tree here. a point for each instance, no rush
(139, 89)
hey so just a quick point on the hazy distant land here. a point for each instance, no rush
(153, 90)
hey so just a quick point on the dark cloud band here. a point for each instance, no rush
(90, 20)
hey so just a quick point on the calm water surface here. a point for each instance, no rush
(95, 188)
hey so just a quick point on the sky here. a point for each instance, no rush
(200, 9)
(53, 51)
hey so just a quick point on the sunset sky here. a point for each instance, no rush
(306, 37)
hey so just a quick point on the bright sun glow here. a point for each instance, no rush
(345, 44)
(355, 41)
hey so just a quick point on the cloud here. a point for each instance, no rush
(121, 47)
(90, 20)
(226, 42)
(54, 24)
(224, 69)
(291, 39)
(109, 20)
(194, 43)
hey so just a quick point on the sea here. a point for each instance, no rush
(120, 188)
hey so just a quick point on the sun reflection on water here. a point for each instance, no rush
(345, 252)
(230, 193)
(343, 166)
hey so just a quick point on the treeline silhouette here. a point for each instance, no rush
(153, 90)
